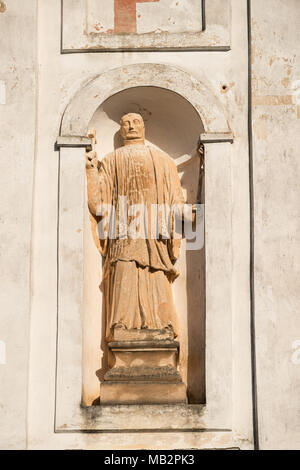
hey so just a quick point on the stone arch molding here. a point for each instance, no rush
(84, 104)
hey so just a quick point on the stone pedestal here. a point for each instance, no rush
(145, 369)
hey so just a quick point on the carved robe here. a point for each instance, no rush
(137, 273)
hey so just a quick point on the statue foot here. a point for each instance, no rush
(120, 326)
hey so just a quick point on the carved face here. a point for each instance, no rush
(132, 127)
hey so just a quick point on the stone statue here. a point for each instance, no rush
(138, 272)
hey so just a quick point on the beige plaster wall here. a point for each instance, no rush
(276, 143)
(17, 146)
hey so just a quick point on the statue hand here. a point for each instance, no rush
(91, 160)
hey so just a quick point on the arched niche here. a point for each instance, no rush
(95, 101)
(173, 125)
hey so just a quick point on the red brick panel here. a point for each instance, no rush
(125, 15)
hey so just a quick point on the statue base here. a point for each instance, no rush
(144, 371)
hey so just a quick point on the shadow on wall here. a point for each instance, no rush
(174, 126)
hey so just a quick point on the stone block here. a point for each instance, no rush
(146, 392)
(144, 369)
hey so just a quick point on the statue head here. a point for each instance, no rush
(132, 129)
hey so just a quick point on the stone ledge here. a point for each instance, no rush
(142, 393)
(73, 141)
(144, 418)
(144, 373)
(215, 137)
(145, 344)
(133, 334)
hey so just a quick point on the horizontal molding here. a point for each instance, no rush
(149, 49)
(73, 141)
(215, 137)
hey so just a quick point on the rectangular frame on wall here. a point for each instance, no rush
(216, 414)
(213, 34)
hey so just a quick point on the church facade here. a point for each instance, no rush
(159, 340)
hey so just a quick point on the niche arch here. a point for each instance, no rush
(87, 100)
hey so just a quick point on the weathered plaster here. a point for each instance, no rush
(81, 32)
(276, 140)
(17, 145)
(77, 117)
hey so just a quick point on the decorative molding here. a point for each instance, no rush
(73, 141)
(214, 137)
(80, 110)
(80, 35)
